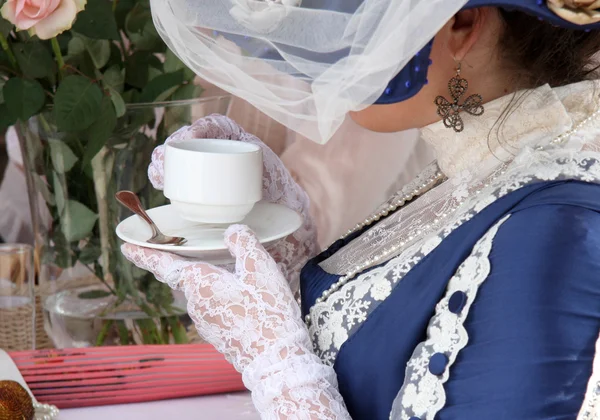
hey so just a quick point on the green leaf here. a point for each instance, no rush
(161, 87)
(5, 26)
(42, 187)
(76, 103)
(77, 221)
(130, 96)
(99, 51)
(94, 294)
(97, 20)
(62, 156)
(61, 254)
(24, 98)
(153, 73)
(59, 191)
(35, 60)
(91, 252)
(178, 330)
(118, 103)
(141, 30)
(76, 46)
(2, 83)
(136, 69)
(100, 131)
(173, 63)
(6, 118)
(115, 55)
(114, 78)
(123, 333)
(189, 91)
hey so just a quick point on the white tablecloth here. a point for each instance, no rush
(217, 407)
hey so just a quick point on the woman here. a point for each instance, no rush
(473, 293)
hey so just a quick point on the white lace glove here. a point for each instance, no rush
(278, 187)
(251, 317)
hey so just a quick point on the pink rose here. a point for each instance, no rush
(44, 18)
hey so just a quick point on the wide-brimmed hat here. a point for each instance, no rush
(572, 14)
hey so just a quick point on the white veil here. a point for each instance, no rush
(304, 65)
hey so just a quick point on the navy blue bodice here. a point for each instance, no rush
(532, 328)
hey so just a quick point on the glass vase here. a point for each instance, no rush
(91, 295)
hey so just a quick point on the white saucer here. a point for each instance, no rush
(269, 221)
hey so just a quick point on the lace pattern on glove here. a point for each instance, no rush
(251, 317)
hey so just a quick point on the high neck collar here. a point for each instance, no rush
(529, 118)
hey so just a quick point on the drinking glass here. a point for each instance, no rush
(17, 299)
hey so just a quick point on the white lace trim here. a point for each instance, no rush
(338, 317)
(590, 410)
(422, 394)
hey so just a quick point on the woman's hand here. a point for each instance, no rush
(278, 187)
(251, 317)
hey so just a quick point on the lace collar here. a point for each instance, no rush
(510, 123)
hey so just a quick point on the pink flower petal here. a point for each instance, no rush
(8, 11)
(20, 4)
(81, 4)
(58, 21)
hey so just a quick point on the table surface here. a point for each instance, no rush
(215, 407)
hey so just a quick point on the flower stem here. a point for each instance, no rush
(59, 57)
(6, 48)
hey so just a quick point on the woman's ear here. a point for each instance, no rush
(464, 31)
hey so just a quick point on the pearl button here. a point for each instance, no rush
(457, 302)
(438, 364)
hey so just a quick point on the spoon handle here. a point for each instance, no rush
(130, 200)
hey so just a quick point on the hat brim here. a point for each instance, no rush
(413, 76)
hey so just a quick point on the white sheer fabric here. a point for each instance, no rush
(335, 67)
(278, 187)
(251, 316)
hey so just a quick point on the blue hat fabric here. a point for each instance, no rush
(413, 76)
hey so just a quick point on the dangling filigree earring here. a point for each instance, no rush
(450, 111)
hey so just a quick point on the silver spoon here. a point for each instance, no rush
(132, 202)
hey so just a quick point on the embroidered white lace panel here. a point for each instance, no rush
(422, 394)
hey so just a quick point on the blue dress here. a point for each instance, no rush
(532, 322)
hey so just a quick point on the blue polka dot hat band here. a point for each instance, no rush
(414, 75)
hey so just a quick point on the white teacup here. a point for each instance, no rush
(212, 180)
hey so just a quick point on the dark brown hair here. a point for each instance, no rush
(542, 53)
